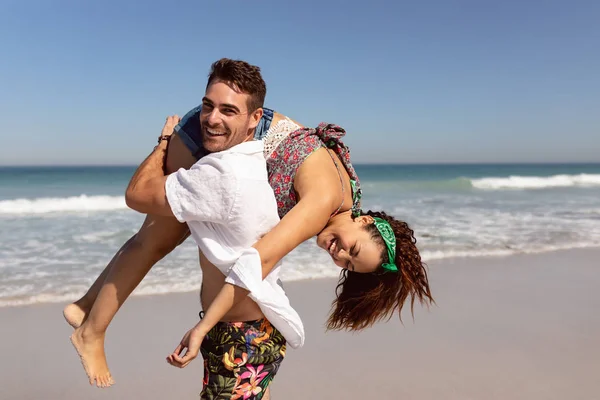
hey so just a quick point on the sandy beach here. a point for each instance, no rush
(518, 327)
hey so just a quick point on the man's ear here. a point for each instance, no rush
(255, 117)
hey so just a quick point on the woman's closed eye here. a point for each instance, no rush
(352, 253)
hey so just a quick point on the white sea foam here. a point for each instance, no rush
(537, 182)
(27, 294)
(45, 205)
(51, 249)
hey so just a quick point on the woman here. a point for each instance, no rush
(363, 244)
(318, 193)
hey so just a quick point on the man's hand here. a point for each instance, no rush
(191, 341)
(170, 125)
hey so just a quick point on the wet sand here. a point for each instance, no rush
(519, 327)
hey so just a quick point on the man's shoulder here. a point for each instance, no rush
(233, 166)
(244, 158)
(216, 167)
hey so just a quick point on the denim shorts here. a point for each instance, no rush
(190, 133)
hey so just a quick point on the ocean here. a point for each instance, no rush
(61, 225)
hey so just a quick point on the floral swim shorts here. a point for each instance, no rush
(241, 359)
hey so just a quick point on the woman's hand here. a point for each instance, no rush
(169, 127)
(191, 342)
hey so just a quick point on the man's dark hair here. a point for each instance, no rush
(243, 77)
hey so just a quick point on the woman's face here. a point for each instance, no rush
(350, 245)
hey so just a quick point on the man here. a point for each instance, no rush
(157, 237)
(227, 202)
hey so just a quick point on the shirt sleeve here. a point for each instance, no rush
(246, 272)
(206, 192)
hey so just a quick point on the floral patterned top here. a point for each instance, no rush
(289, 155)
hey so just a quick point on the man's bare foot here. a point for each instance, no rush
(75, 314)
(90, 349)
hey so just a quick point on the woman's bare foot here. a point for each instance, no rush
(90, 348)
(75, 314)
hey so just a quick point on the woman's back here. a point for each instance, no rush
(311, 160)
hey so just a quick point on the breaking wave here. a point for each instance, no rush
(45, 205)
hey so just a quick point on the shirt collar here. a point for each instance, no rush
(249, 147)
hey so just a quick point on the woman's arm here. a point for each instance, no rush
(319, 190)
(318, 185)
(304, 221)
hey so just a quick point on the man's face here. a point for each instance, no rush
(225, 119)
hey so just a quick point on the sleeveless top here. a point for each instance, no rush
(290, 149)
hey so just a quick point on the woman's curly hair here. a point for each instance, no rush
(364, 299)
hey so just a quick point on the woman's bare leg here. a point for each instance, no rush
(76, 312)
(157, 237)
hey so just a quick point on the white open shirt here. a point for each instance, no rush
(228, 204)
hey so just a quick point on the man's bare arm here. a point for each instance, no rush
(146, 190)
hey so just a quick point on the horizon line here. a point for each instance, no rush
(356, 163)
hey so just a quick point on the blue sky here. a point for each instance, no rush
(429, 81)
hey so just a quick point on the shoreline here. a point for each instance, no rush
(519, 327)
(448, 260)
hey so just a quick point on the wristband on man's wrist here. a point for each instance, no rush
(164, 137)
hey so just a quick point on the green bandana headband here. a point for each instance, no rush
(386, 231)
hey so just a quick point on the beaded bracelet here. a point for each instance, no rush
(164, 137)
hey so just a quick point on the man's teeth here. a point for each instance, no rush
(331, 247)
(215, 133)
